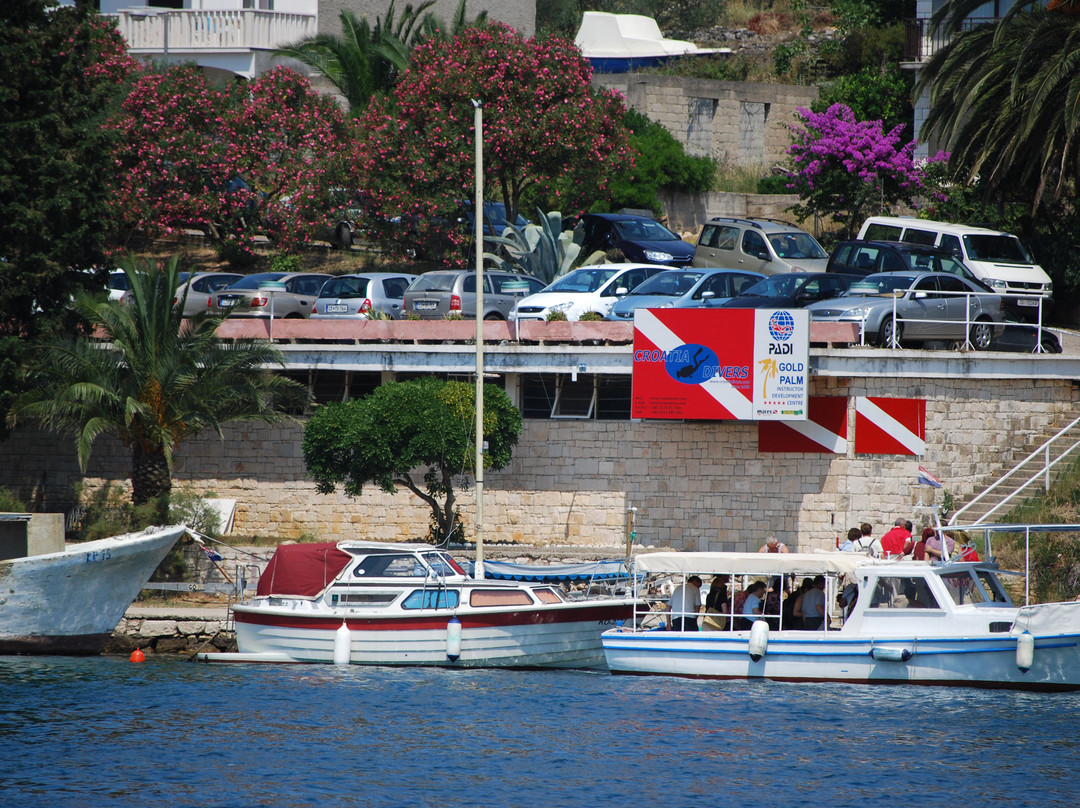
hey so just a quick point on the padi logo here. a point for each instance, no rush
(781, 327)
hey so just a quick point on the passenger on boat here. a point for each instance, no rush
(936, 550)
(813, 605)
(771, 606)
(917, 549)
(846, 599)
(796, 599)
(752, 605)
(852, 543)
(717, 605)
(774, 545)
(685, 605)
(894, 542)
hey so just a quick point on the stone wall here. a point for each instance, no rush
(518, 14)
(697, 485)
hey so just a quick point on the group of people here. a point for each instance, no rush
(900, 542)
(802, 608)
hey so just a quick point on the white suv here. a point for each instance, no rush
(767, 246)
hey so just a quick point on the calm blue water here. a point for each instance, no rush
(105, 732)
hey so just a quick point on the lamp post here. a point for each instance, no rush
(478, 210)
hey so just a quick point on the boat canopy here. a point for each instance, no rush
(591, 571)
(302, 570)
(753, 563)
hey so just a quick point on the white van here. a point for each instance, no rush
(996, 258)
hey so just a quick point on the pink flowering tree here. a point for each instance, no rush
(233, 160)
(847, 169)
(550, 138)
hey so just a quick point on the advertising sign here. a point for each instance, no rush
(721, 364)
(890, 426)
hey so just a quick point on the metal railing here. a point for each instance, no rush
(921, 42)
(161, 31)
(1065, 442)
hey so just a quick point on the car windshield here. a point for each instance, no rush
(880, 285)
(673, 283)
(253, 281)
(1004, 248)
(644, 230)
(434, 282)
(345, 288)
(583, 281)
(774, 286)
(796, 245)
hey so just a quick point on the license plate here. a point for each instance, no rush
(425, 305)
(333, 308)
(225, 303)
(1027, 301)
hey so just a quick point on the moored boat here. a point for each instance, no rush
(913, 622)
(380, 603)
(70, 601)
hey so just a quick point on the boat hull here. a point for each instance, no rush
(561, 636)
(70, 602)
(987, 661)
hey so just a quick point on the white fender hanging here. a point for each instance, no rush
(1025, 651)
(759, 640)
(342, 645)
(453, 639)
(891, 654)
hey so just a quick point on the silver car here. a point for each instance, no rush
(245, 298)
(916, 306)
(355, 297)
(434, 295)
(683, 289)
(758, 245)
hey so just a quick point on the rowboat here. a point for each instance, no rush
(913, 622)
(376, 603)
(70, 601)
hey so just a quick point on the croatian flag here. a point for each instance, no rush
(926, 478)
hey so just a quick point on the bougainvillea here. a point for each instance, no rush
(235, 160)
(550, 138)
(845, 168)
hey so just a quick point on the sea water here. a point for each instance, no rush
(106, 732)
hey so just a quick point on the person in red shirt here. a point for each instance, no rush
(895, 541)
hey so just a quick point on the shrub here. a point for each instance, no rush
(591, 316)
(10, 502)
(556, 317)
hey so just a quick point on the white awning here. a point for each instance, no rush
(753, 563)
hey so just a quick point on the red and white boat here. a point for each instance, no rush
(373, 603)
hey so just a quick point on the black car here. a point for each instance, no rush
(791, 290)
(641, 239)
(1024, 337)
(864, 258)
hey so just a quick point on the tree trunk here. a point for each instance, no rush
(150, 475)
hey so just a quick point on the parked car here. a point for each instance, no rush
(592, 288)
(357, 296)
(928, 306)
(200, 288)
(1024, 337)
(683, 289)
(758, 245)
(494, 219)
(434, 295)
(244, 298)
(641, 239)
(792, 290)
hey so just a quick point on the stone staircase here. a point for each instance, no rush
(1029, 474)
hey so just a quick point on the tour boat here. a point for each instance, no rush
(375, 603)
(914, 622)
(70, 601)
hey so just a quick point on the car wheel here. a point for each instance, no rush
(982, 334)
(493, 316)
(886, 335)
(343, 236)
(1051, 345)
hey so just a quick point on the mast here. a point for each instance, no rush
(478, 219)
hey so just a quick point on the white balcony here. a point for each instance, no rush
(239, 41)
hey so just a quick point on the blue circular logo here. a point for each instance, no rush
(781, 326)
(691, 364)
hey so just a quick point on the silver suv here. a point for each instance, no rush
(436, 294)
(767, 246)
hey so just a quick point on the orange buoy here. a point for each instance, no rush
(137, 656)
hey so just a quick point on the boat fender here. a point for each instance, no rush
(453, 639)
(342, 645)
(759, 640)
(1025, 651)
(891, 654)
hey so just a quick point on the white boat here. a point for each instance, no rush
(69, 602)
(914, 622)
(375, 603)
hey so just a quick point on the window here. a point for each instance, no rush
(389, 566)
(720, 237)
(963, 589)
(443, 564)
(374, 599)
(432, 599)
(499, 597)
(952, 244)
(882, 232)
(548, 595)
(540, 392)
(754, 244)
(740, 283)
(920, 236)
(574, 398)
(902, 593)
(395, 287)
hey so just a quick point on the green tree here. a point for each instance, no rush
(63, 70)
(872, 94)
(157, 380)
(417, 435)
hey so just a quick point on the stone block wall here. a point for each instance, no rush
(697, 485)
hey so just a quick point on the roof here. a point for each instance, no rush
(302, 570)
(753, 563)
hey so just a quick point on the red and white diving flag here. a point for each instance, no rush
(890, 426)
(824, 431)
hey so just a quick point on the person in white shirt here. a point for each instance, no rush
(685, 604)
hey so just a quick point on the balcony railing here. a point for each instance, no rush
(920, 44)
(153, 31)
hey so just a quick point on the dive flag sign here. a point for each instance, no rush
(721, 364)
(823, 432)
(890, 426)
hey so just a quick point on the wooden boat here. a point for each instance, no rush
(913, 622)
(374, 603)
(69, 602)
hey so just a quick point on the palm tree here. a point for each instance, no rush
(154, 381)
(1005, 97)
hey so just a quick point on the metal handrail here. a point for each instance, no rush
(1044, 472)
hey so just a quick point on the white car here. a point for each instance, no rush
(593, 288)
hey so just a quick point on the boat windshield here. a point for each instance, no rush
(390, 565)
(443, 564)
(994, 590)
(963, 588)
